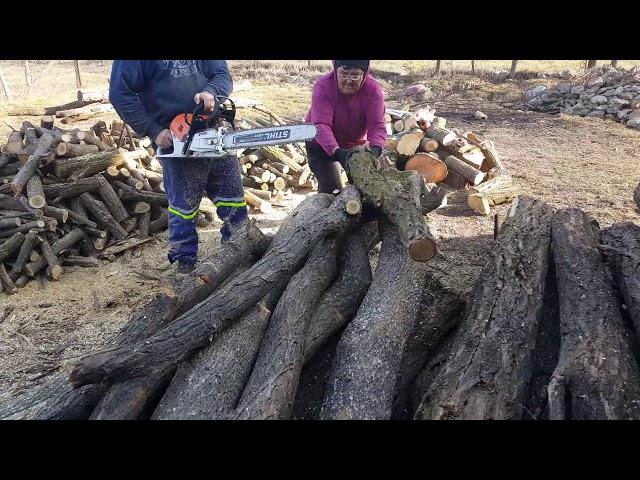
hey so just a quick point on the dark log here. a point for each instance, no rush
(111, 199)
(179, 340)
(270, 391)
(597, 375)
(55, 268)
(621, 244)
(125, 192)
(60, 214)
(32, 268)
(32, 164)
(76, 261)
(6, 159)
(499, 333)
(132, 397)
(161, 223)
(367, 364)
(56, 193)
(91, 139)
(341, 300)
(11, 245)
(129, 224)
(88, 165)
(636, 196)
(7, 284)
(101, 213)
(144, 224)
(68, 150)
(47, 122)
(9, 222)
(397, 194)
(80, 219)
(31, 239)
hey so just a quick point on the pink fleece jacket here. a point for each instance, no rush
(347, 121)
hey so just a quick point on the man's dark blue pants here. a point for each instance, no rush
(185, 183)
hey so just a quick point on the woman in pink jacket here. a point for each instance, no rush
(347, 106)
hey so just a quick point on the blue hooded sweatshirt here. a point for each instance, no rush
(148, 94)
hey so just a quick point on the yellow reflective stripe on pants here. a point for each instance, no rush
(231, 204)
(182, 215)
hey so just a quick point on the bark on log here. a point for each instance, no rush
(443, 136)
(55, 268)
(274, 154)
(87, 165)
(60, 214)
(111, 199)
(35, 192)
(271, 389)
(101, 213)
(636, 196)
(473, 175)
(161, 223)
(482, 202)
(367, 364)
(56, 193)
(7, 284)
(125, 192)
(28, 169)
(11, 245)
(47, 122)
(66, 242)
(621, 244)
(490, 366)
(190, 332)
(68, 150)
(597, 375)
(397, 194)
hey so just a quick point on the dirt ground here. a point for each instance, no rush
(568, 161)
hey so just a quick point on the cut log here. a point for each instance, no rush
(91, 139)
(85, 95)
(35, 192)
(473, 175)
(179, 340)
(58, 192)
(259, 193)
(144, 223)
(31, 165)
(101, 213)
(66, 242)
(596, 376)
(274, 154)
(490, 365)
(443, 136)
(482, 202)
(111, 199)
(488, 149)
(270, 391)
(60, 214)
(68, 150)
(75, 261)
(408, 144)
(10, 222)
(472, 156)
(366, 366)
(428, 145)
(14, 143)
(636, 196)
(86, 165)
(161, 223)
(47, 122)
(256, 202)
(55, 268)
(431, 168)
(7, 284)
(125, 192)
(397, 194)
(11, 245)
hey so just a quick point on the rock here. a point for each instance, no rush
(536, 92)
(619, 90)
(626, 95)
(596, 82)
(577, 90)
(623, 114)
(599, 99)
(612, 110)
(596, 113)
(633, 114)
(635, 104)
(634, 123)
(415, 89)
(564, 88)
(610, 93)
(619, 102)
(478, 115)
(602, 107)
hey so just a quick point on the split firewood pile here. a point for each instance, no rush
(72, 197)
(451, 160)
(549, 339)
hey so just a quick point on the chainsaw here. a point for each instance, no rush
(199, 135)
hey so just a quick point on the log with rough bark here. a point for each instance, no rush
(190, 332)
(54, 268)
(367, 364)
(91, 139)
(397, 195)
(60, 214)
(443, 136)
(432, 169)
(488, 149)
(473, 175)
(341, 300)
(31, 165)
(621, 245)
(35, 192)
(57, 192)
(597, 375)
(636, 196)
(111, 199)
(11, 245)
(274, 154)
(88, 165)
(7, 284)
(101, 213)
(496, 191)
(256, 202)
(66, 242)
(128, 193)
(428, 145)
(47, 122)
(270, 390)
(490, 366)
(68, 150)
(14, 143)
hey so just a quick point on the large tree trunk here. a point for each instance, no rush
(622, 248)
(209, 385)
(397, 194)
(369, 355)
(270, 391)
(191, 331)
(487, 375)
(65, 403)
(597, 376)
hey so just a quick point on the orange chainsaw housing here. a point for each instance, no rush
(180, 126)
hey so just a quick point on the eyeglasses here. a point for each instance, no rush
(354, 76)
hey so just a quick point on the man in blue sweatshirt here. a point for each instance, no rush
(148, 95)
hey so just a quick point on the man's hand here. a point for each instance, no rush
(164, 139)
(208, 99)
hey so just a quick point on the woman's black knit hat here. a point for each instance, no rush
(361, 64)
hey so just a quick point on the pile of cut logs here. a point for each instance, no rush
(453, 161)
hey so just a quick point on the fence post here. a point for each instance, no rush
(7, 92)
(76, 65)
(514, 65)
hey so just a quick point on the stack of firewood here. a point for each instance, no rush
(72, 197)
(442, 156)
